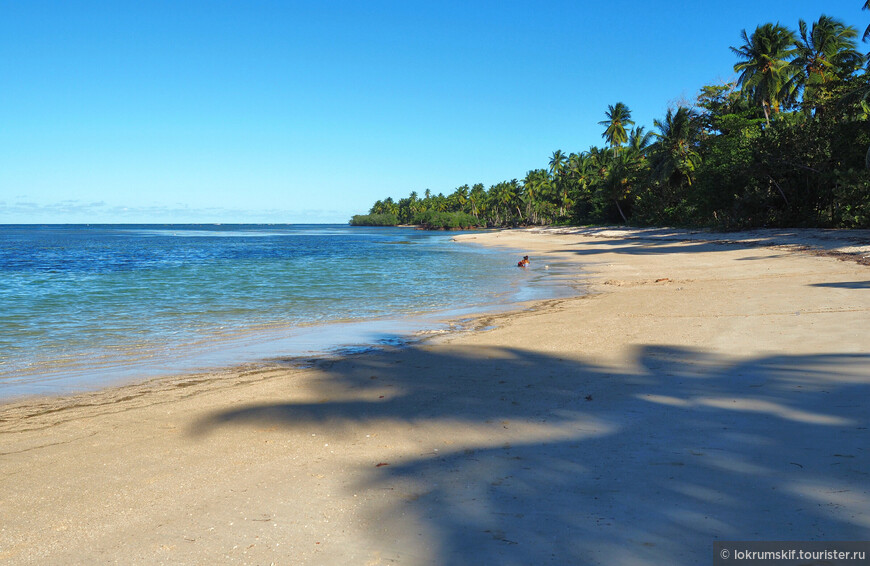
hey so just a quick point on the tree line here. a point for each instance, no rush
(786, 144)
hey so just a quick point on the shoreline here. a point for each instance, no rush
(41, 404)
(699, 392)
(226, 347)
(407, 330)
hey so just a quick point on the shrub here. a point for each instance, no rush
(387, 219)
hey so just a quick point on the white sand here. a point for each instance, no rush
(702, 391)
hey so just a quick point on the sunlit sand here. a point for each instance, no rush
(702, 390)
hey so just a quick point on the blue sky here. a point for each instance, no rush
(182, 111)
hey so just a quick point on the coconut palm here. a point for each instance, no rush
(824, 52)
(457, 200)
(639, 140)
(503, 200)
(608, 172)
(618, 117)
(557, 163)
(536, 186)
(477, 199)
(515, 190)
(619, 169)
(764, 68)
(600, 160)
(575, 165)
(579, 176)
(675, 155)
(867, 31)
(387, 206)
(617, 182)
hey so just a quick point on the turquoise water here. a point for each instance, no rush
(86, 306)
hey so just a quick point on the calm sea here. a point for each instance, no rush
(87, 306)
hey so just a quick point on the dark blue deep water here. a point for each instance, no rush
(81, 306)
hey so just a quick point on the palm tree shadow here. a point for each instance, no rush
(562, 461)
(845, 285)
(636, 246)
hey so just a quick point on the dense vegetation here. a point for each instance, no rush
(375, 219)
(786, 144)
(429, 218)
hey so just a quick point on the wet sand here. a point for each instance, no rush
(703, 390)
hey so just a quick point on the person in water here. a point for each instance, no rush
(523, 262)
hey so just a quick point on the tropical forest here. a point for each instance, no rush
(786, 144)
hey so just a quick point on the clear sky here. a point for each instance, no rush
(286, 111)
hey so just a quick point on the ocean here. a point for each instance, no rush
(83, 307)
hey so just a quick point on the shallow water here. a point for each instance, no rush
(87, 306)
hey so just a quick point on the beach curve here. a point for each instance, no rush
(706, 389)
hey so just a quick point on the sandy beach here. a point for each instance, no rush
(707, 387)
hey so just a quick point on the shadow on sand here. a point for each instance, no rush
(661, 241)
(559, 461)
(845, 285)
(636, 246)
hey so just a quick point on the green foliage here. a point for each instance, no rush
(850, 202)
(676, 156)
(386, 219)
(618, 117)
(824, 53)
(765, 73)
(434, 220)
(785, 145)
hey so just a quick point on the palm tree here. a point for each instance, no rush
(575, 165)
(600, 160)
(824, 52)
(557, 163)
(457, 200)
(617, 181)
(584, 174)
(439, 203)
(476, 198)
(413, 204)
(764, 69)
(503, 198)
(609, 174)
(536, 185)
(866, 6)
(620, 169)
(579, 170)
(639, 140)
(675, 155)
(388, 206)
(618, 117)
(867, 31)
(515, 192)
